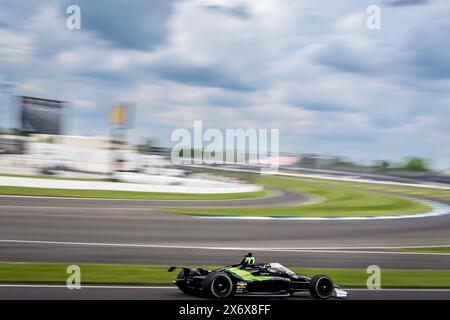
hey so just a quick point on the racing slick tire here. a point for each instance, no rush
(183, 287)
(321, 287)
(219, 285)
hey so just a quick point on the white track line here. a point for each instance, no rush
(400, 289)
(315, 250)
(172, 287)
(371, 252)
(83, 287)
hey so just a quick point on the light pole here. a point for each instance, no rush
(8, 90)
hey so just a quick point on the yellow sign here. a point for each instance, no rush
(118, 114)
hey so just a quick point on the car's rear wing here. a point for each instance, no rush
(171, 268)
(187, 271)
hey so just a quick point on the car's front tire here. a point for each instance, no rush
(219, 285)
(321, 287)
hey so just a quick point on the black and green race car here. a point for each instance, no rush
(249, 278)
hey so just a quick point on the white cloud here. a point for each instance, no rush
(84, 104)
(354, 22)
(31, 86)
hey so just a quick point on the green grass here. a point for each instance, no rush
(336, 201)
(414, 191)
(90, 273)
(426, 249)
(158, 275)
(110, 194)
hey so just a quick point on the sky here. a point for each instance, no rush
(310, 68)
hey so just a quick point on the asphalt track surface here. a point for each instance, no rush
(137, 232)
(49, 292)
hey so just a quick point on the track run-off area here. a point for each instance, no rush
(152, 232)
(60, 292)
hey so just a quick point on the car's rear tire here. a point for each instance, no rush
(219, 285)
(321, 287)
(183, 287)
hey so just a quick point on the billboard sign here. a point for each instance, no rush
(40, 115)
(121, 115)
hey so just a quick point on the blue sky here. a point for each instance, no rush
(310, 68)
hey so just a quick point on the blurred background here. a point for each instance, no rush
(348, 99)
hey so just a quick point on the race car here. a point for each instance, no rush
(249, 278)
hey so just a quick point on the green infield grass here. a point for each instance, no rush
(111, 194)
(443, 249)
(331, 200)
(158, 275)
